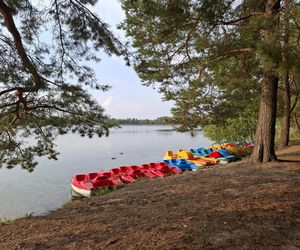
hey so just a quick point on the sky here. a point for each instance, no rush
(128, 98)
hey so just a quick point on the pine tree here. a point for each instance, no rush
(290, 67)
(184, 45)
(43, 78)
(264, 149)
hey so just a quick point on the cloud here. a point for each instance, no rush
(107, 102)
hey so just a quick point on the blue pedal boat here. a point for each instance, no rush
(182, 164)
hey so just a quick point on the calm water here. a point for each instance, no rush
(48, 187)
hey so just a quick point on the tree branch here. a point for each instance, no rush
(60, 38)
(8, 91)
(233, 52)
(239, 20)
(78, 3)
(8, 105)
(6, 12)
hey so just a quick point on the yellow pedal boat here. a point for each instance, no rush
(200, 161)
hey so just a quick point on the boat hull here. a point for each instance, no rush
(81, 191)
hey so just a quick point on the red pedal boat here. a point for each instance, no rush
(165, 168)
(140, 173)
(137, 172)
(153, 170)
(125, 178)
(85, 184)
(126, 170)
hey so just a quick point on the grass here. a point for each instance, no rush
(142, 179)
(67, 203)
(4, 221)
(102, 191)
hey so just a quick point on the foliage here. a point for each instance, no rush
(238, 129)
(43, 79)
(202, 63)
(294, 130)
(209, 58)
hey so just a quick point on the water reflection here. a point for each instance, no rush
(49, 185)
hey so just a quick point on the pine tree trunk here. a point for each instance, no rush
(264, 149)
(285, 130)
(286, 119)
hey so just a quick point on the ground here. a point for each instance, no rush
(237, 206)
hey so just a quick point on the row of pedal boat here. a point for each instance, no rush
(183, 160)
(87, 184)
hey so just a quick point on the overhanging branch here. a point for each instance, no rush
(6, 12)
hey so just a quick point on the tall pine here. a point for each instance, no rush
(212, 58)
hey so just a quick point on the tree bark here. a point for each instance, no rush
(285, 129)
(286, 119)
(264, 148)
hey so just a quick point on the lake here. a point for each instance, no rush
(48, 186)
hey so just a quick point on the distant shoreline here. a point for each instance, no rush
(130, 124)
(134, 121)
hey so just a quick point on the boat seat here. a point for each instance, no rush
(92, 176)
(80, 177)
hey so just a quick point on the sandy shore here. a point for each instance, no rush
(238, 206)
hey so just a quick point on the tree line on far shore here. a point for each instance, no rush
(164, 120)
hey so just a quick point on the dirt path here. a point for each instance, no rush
(238, 206)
